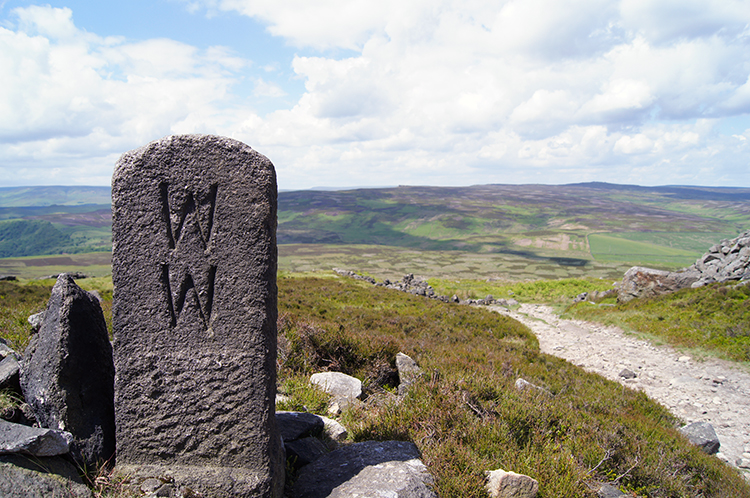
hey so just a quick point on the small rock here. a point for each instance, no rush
(36, 321)
(609, 491)
(21, 439)
(702, 434)
(683, 359)
(743, 463)
(408, 372)
(627, 374)
(367, 469)
(151, 484)
(502, 484)
(9, 374)
(343, 388)
(334, 430)
(296, 425)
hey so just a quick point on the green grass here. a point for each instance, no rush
(615, 247)
(465, 415)
(714, 319)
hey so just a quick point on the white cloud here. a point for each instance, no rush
(431, 92)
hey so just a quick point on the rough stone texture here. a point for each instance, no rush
(36, 321)
(9, 373)
(304, 451)
(646, 282)
(372, 469)
(34, 441)
(702, 434)
(342, 388)
(295, 425)
(502, 484)
(408, 372)
(51, 477)
(334, 430)
(725, 261)
(67, 373)
(194, 315)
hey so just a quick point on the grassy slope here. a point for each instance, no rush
(465, 415)
(714, 319)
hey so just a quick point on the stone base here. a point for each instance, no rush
(202, 481)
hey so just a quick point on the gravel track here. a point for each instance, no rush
(705, 390)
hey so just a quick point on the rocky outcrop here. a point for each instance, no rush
(67, 373)
(726, 261)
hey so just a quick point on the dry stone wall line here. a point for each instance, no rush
(708, 390)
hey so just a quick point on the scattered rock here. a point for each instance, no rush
(296, 425)
(9, 373)
(523, 385)
(41, 477)
(408, 372)
(36, 321)
(726, 261)
(67, 373)
(21, 439)
(304, 451)
(343, 388)
(368, 469)
(334, 430)
(502, 484)
(702, 434)
(627, 374)
(641, 282)
(609, 491)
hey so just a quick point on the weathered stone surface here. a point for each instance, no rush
(702, 434)
(646, 282)
(726, 261)
(9, 373)
(295, 425)
(304, 451)
(194, 315)
(334, 430)
(502, 484)
(67, 373)
(34, 441)
(45, 477)
(36, 321)
(408, 372)
(342, 388)
(372, 469)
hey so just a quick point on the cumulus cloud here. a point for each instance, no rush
(427, 91)
(71, 98)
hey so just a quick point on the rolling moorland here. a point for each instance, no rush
(537, 243)
(513, 232)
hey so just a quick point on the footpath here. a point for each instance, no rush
(696, 390)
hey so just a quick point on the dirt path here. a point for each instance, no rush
(709, 390)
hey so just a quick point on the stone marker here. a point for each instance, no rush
(194, 315)
(67, 373)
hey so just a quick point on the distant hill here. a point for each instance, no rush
(570, 224)
(54, 196)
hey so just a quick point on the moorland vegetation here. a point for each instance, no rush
(465, 414)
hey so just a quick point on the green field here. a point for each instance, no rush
(667, 249)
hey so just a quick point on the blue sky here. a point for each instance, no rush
(362, 93)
